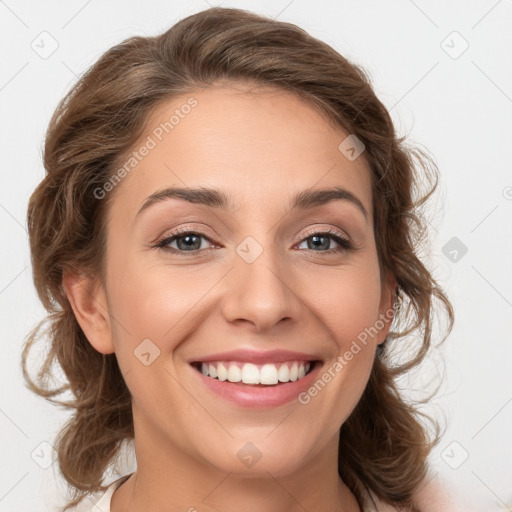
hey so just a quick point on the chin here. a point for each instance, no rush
(249, 460)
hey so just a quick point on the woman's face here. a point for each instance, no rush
(256, 273)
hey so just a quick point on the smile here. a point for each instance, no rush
(268, 374)
(257, 386)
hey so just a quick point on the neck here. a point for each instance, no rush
(171, 479)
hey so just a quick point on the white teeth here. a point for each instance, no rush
(283, 374)
(294, 372)
(222, 373)
(268, 374)
(250, 374)
(234, 373)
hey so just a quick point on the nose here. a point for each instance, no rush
(262, 293)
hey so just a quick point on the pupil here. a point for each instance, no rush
(324, 245)
(189, 242)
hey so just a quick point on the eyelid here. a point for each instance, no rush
(202, 231)
(330, 230)
(199, 230)
(344, 240)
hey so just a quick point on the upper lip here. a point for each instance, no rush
(255, 356)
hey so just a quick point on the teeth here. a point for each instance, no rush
(294, 372)
(283, 374)
(234, 373)
(268, 374)
(222, 373)
(250, 374)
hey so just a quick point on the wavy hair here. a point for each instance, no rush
(384, 443)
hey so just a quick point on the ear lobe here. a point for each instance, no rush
(87, 298)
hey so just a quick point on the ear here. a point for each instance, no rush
(87, 297)
(386, 307)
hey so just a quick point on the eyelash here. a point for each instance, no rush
(345, 245)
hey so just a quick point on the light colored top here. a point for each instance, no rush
(431, 498)
(103, 504)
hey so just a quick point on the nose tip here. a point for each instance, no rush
(258, 292)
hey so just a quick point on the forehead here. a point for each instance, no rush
(260, 146)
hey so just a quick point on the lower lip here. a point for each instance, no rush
(261, 397)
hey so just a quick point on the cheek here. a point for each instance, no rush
(156, 303)
(348, 308)
(348, 315)
(153, 312)
(347, 300)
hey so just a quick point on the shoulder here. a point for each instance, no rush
(102, 502)
(432, 495)
(371, 503)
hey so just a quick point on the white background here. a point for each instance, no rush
(459, 108)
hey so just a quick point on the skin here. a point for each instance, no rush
(260, 147)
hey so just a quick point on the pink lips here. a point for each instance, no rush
(256, 357)
(258, 396)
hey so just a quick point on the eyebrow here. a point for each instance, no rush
(218, 199)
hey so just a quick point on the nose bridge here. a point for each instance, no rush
(259, 288)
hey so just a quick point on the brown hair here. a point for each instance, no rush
(383, 444)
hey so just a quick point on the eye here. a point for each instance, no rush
(187, 241)
(191, 242)
(321, 240)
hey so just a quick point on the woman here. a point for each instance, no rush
(225, 236)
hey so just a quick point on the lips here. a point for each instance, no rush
(257, 379)
(257, 357)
